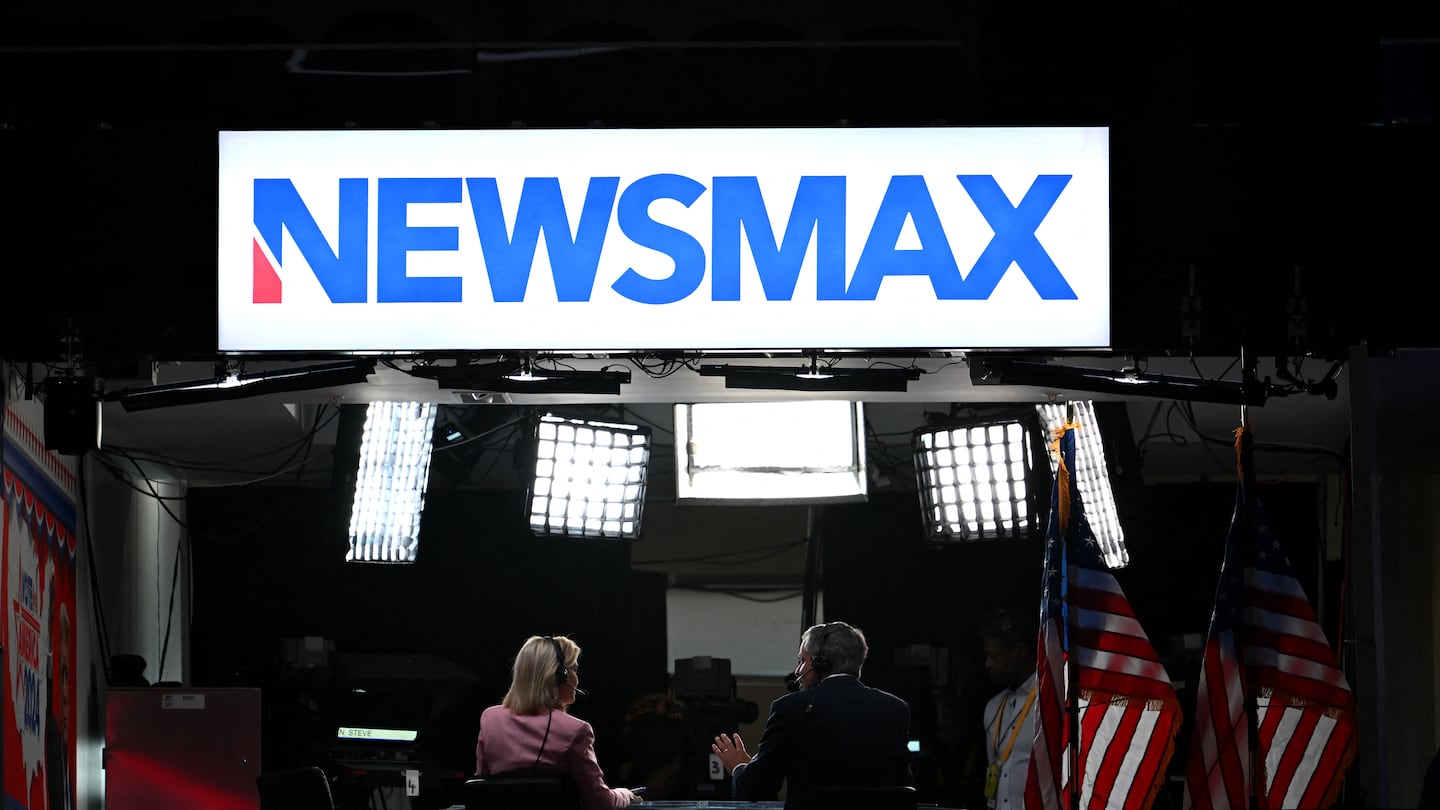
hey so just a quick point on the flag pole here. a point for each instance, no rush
(1072, 679)
(1252, 710)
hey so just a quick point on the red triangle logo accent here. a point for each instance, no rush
(267, 281)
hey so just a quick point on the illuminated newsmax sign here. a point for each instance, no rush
(664, 239)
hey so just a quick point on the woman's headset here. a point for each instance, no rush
(561, 673)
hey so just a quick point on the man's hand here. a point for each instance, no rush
(731, 751)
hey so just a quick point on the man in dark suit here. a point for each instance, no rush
(835, 731)
(57, 721)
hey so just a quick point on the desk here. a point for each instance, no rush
(694, 804)
(710, 804)
(729, 804)
(717, 804)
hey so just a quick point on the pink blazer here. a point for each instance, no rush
(509, 741)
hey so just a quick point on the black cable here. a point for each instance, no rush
(181, 463)
(280, 506)
(786, 595)
(557, 365)
(309, 445)
(543, 740)
(124, 478)
(1187, 410)
(1201, 374)
(98, 606)
(911, 365)
(881, 450)
(1176, 439)
(303, 450)
(170, 611)
(765, 552)
(477, 437)
(500, 449)
(175, 573)
(659, 368)
(652, 423)
(160, 499)
(1207, 443)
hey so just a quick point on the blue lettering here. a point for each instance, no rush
(1014, 240)
(30, 691)
(739, 213)
(394, 238)
(907, 196)
(342, 272)
(819, 208)
(635, 222)
(573, 260)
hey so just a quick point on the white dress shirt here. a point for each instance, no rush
(1008, 705)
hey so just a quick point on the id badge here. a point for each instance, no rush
(992, 784)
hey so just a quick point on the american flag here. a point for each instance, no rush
(1265, 645)
(1129, 713)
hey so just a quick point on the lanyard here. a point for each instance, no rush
(1018, 723)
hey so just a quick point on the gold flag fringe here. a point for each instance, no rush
(1063, 476)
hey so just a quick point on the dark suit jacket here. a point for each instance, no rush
(1430, 789)
(57, 767)
(842, 732)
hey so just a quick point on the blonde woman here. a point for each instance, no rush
(532, 730)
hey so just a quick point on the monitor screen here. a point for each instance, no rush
(770, 452)
(703, 677)
(382, 734)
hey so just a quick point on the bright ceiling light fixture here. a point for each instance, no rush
(390, 482)
(813, 377)
(526, 373)
(976, 479)
(231, 383)
(589, 478)
(1092, 477)
(770, 452)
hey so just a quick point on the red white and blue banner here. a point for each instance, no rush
(38, 592)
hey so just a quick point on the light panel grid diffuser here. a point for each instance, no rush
(974, 480)
(589, 479)
(1092, 477)
(390, 482)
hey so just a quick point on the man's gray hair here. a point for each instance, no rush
(841, 645)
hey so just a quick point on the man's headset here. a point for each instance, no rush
(819, 663)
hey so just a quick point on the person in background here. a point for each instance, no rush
(531, 731)
(1010, 637)
(960, 737)
(1430, 787)
(57, 723)
(654, 742)
(835, 731)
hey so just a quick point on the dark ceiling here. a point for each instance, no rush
(1282, 163)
